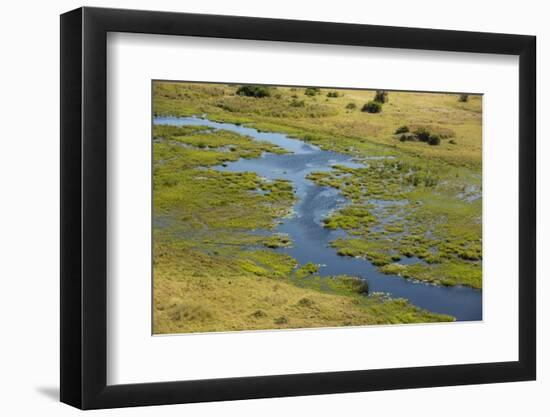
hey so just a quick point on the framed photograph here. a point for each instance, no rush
(257, 208)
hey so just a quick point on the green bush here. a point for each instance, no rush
(257, 91)
(372, 107)
(333, 94)
(351, 106)
(434, 139)
(312, 91)
(381, 96)
(422, 134)
(452, 142)
(402, 129)
(463, 98)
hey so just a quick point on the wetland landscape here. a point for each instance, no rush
(301, 207)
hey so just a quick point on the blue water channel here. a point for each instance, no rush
(311, 241)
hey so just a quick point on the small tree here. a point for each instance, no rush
(422, 134)
(463, 98)
(257, 91)
(372, 107)
(351, 106)
(407, 137)
(312, 91)
(381, 96)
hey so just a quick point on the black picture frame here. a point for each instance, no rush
(84, 207)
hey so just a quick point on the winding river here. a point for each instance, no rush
(305, 228)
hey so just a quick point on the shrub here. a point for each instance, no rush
(372, 107)
(333, 94)
(257, 91)
(443, 132)
(312, 91)
(463, 98)
(402, 129)
(407, 137)
(422, 134)
(452, 142)
(351, 106)
(434, 139)
(381, 96)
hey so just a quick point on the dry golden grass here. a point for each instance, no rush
(195, 292)
(329, 116)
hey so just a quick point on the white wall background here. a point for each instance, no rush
(29, 219)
